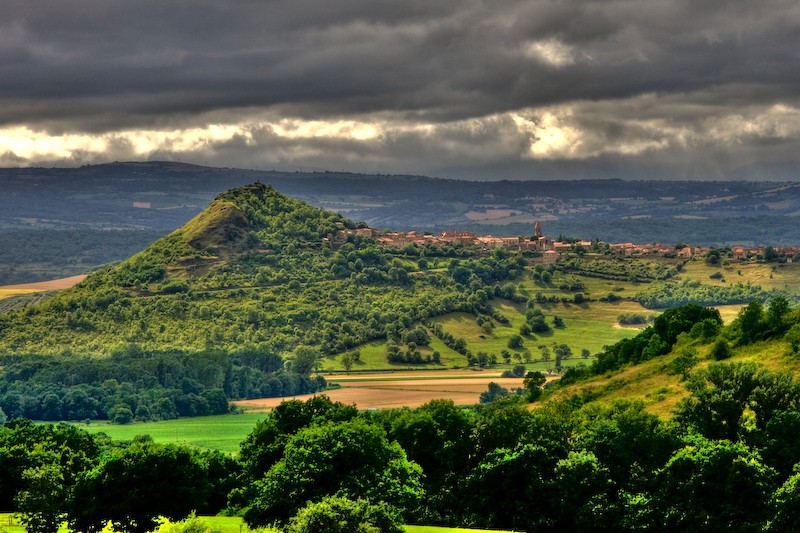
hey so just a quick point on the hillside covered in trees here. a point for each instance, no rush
(248, 289)
(249, 298)
(251, 269)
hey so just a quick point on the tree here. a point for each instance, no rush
(583, 486)
(720, 395)
(683, 363)
(720, 350)
(712, 257)
(630, 442)
(545, 353)
(751, 322)
(714, 486)
(793, 338)
(771, 255)
(304, 360)
(504, 423)
(352, 459)
(348, 359)
(437, 437)
(264, 446)
(42, 502)
(493, 392)
(120, 414)
(418, 335)
(515, 342)
(534, 381)
(134, 486)
(510, 488)
(776, 313)
(343, 515)
(784, 505)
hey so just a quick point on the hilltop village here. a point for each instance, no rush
(548, 251)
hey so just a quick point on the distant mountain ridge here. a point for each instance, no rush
(164, 195)
(60, 222)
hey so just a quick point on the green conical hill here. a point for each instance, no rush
(251, 219)
(251, 269)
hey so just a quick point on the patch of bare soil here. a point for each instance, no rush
(385, 394)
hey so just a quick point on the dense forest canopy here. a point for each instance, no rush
(728, 460)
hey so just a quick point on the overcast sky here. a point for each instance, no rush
(459, 88)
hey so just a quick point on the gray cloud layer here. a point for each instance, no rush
(476, 88)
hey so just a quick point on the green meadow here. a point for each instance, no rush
(590, 325)
(219, 432)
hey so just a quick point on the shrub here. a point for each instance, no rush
(343, 515)
(720, 350)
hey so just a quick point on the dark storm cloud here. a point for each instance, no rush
(652, 77)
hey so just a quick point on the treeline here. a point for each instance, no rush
(620, 269)
(659, 338)
(134, 384)
(697, 325)
(727, 461)
(660, 295)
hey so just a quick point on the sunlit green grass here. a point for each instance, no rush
(226, 524)
(767, 276)
(373, 357)
(596, 288)
(220, 432)
(10, 523)
(234, 524)
(434, 529)
(589, 326)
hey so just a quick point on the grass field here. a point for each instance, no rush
(768, 276)
(589, 326)
(595, 288)
(373, 357)
(220, 432)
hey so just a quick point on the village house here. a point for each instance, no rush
(550, 257)
(367, 232)
(739, 252)
(625, 248)
(460, 238)
(487, 242)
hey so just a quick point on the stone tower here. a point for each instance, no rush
(537, 230)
